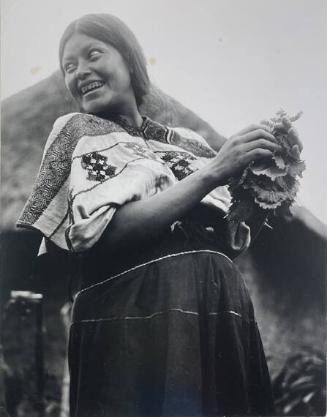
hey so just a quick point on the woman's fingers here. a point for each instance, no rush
(257, 134)
(263, 144)
(251, 128)
(257, 153)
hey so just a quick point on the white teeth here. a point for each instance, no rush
(91, 86)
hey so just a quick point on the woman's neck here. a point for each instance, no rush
(128, 112)
(132, 119)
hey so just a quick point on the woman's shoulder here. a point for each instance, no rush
(72, 127)
(83, 122)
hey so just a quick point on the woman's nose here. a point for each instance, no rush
(82, 71)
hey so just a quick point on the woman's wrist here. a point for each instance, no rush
(213, 175)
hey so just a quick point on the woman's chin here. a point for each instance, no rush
(94, 108)
(97, 104)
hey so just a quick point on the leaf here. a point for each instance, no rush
(269, 124)
(296, 169)
(272, 172)
(296, 116)
(295, 152)
(286, 122)
(271, 184)
(308, 397)
(286, 183)
(268, 205)
(279, 161)
(302, 380)
(289, 407)
(293, 137)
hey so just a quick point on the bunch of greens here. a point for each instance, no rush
(300, 386)
(269, 186)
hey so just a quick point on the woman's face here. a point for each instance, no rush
(96, 75)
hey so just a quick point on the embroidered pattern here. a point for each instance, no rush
(131, 130)
(178, 162)
(56, 164)
(97, 167)
(154, 131)
(150, 130)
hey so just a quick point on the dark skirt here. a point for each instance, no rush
(173, 336)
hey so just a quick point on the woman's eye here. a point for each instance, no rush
(69, 68)
(94, 53)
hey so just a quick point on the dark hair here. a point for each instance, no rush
(111, 30)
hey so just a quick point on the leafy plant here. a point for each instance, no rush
(300, 387)
(269, 186)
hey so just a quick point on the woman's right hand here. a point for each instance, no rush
(250, 144)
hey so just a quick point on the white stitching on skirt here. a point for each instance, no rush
(150, 262)
(179, 310)
(230, 312)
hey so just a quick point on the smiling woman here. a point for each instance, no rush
(107, 39)
(162, 324)
(97, 76)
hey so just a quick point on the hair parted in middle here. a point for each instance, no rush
(111, 30)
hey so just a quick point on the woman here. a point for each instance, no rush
(163, 324)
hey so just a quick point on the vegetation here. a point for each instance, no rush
(300, 387)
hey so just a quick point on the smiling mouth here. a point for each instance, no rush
(94, 85)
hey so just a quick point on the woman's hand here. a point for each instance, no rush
(250, 144)
(144, 219)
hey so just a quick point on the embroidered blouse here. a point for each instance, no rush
(92, 166)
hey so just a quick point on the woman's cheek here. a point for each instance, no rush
(72, 88)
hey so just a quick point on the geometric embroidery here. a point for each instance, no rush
(151, 130)
(154, 131)
(56, 166)
(97, 167)
(178, 162)
(148, 130)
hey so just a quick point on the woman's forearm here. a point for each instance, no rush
(144, 219)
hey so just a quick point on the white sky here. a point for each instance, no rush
(234, 62)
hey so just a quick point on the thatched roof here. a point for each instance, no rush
(27, 118)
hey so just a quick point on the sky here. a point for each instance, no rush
(234, 62)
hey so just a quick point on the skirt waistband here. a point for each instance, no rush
(99, 263)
